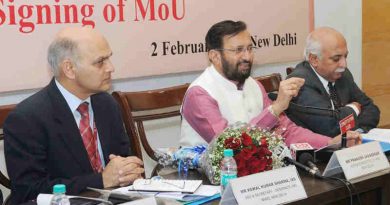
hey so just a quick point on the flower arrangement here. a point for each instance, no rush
(255, 150)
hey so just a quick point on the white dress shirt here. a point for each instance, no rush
(73, 103)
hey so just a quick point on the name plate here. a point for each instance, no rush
(359, 160)
(277, 186)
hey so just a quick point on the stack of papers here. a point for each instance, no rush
(166, 185)
(203, 192)
(381, 135)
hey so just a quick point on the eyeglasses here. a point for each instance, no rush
(239, 50)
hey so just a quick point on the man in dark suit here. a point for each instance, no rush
(329, 93)
(70, 132)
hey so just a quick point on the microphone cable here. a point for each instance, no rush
(306, 159)
(351, 188)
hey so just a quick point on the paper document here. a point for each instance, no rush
(202, 192)
(382, 135)
(166, 185)
(45, 199)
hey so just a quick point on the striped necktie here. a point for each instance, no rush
(89, 137)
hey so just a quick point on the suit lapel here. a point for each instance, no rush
(342, 89)
(315, 81)
(67, 128)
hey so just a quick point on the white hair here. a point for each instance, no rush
(313, 47)
(59, 50)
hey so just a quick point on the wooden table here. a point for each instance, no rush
(373, 190)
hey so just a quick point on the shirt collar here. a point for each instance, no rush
(322, 79)
(72, 101)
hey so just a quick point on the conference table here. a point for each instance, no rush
(373, 189)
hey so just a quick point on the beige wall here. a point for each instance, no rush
(376, 58)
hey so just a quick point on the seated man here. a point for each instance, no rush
(225, 94)
(329, 93)
(71, 132)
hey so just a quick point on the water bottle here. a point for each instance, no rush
(228, 168)
(59, 197)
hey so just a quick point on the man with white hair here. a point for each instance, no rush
(329, 93)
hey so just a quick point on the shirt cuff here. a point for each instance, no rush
(271, 110)
(354, 108)
(360, 130)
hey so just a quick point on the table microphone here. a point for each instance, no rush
(307, 159)
(311, 171)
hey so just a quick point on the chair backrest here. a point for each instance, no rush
(137, 107)
(4, 111)
(270, 82)
(289, 70)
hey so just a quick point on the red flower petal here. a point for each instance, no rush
(246, 139)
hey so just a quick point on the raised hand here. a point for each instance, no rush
(287, 90)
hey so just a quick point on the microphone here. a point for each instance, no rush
(304, 154)
(307, 159)
(298, 149)
(312, 172)
(295, 108)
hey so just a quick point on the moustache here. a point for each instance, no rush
(339, 70)
(245, 62)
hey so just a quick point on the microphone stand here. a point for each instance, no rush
(344, 141)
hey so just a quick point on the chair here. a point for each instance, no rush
(289, 70)
(4, 111)
(138, 107)
(271, 84)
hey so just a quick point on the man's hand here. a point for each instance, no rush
(121, 171)
(287, 90)
(353, 138)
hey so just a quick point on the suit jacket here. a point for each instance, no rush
(43, 145)
(317, 114)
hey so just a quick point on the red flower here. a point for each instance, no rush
(232, 143)
(246, 153)
(254, 165)
(246, 139)
(263, 142)
(250, 157)
(241, 163)
(243, 172)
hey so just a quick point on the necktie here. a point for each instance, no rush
(89, 138)
(333, 95)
